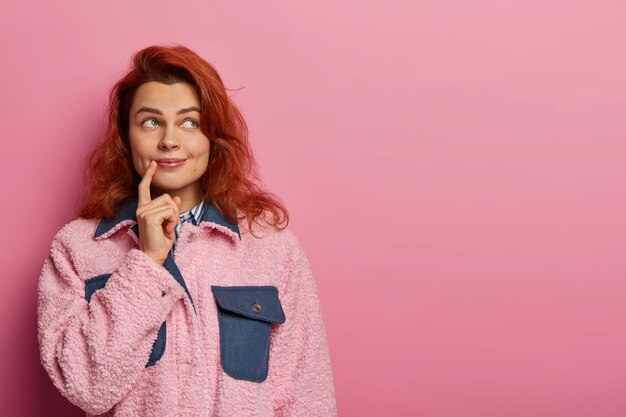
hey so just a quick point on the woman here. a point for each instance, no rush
(179, 291)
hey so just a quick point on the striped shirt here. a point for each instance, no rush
(193, 215)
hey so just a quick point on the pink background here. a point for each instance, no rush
(453, 169)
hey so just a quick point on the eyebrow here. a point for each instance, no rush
(145, 109)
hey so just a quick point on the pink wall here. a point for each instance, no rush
(454, 171)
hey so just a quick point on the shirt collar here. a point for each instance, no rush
(126, 215)
(193, 215)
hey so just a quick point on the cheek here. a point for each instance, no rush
(138, 156)
(138, 165)
(201, 151)
(202, 160)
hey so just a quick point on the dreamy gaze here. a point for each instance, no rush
(150, 123)
(190, 123)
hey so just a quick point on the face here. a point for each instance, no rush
(164, 125)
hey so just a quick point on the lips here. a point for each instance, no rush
(170, 162)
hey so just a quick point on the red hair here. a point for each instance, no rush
(230, 182)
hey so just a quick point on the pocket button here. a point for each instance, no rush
(257, 308)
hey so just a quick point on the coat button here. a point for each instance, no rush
(257, 308)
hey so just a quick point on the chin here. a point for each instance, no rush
(169, 186)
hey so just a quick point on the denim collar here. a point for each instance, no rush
(126, 213)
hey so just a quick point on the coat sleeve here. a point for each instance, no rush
(300, 368)
(95, 351)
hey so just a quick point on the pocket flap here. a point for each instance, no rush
(255, 302)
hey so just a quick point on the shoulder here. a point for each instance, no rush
(266, 235)
(264, 241)
(76, 233)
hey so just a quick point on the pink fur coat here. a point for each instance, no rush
(96, 347)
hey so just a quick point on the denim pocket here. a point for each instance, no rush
(245, 316)
(94, 284)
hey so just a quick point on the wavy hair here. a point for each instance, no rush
(230, 182)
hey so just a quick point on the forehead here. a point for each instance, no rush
(165, 96)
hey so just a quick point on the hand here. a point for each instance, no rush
(156, 219)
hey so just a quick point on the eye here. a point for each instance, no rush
(150, 123)
(190, 123)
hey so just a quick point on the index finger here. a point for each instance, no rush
(143, 191)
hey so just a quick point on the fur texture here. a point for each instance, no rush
(96, 352)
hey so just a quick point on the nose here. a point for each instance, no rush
(169, 140)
